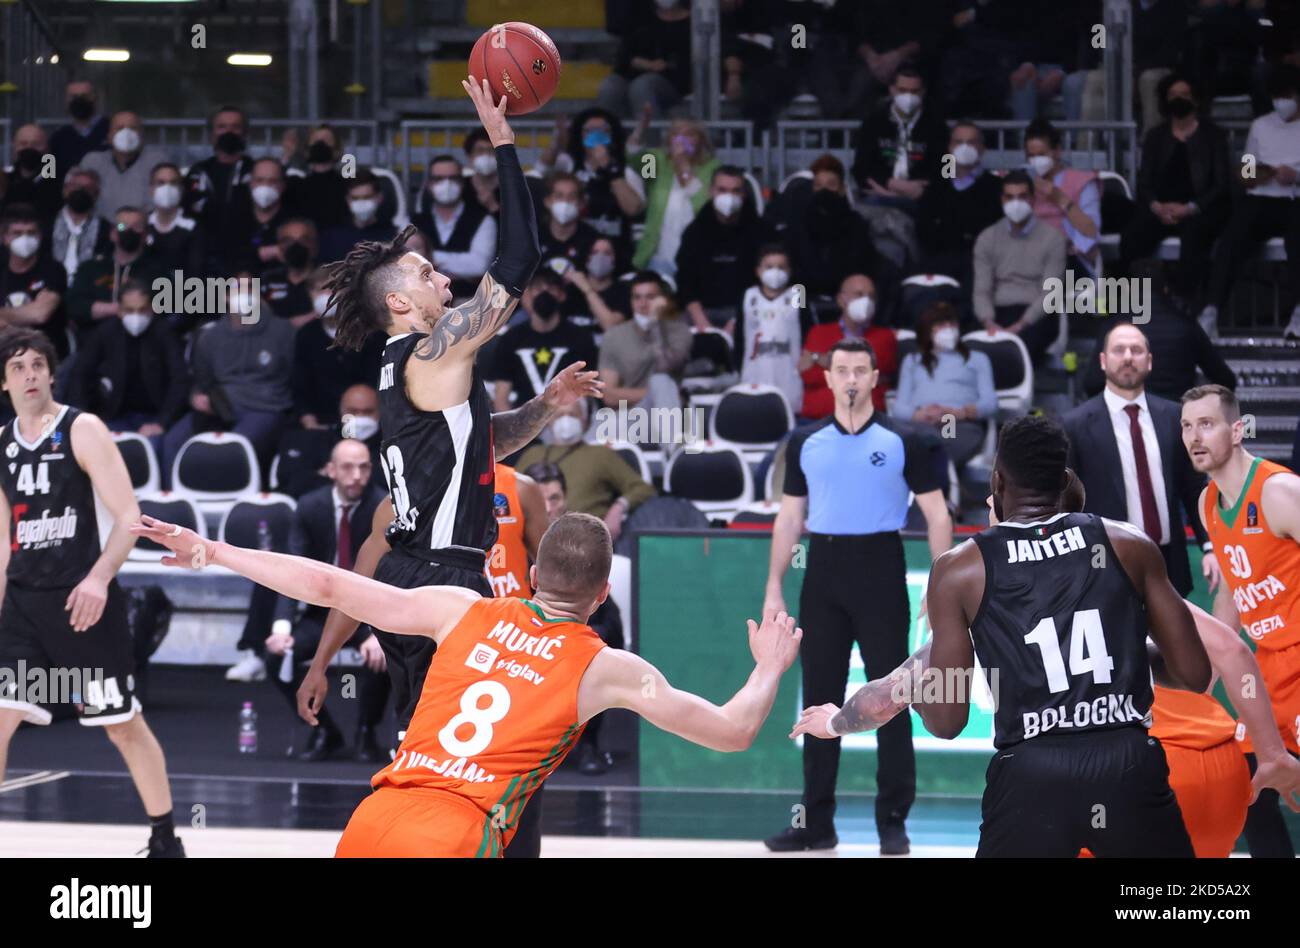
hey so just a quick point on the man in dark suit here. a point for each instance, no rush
(329, 525)
(1126, 447)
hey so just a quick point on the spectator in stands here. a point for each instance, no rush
(561, 231)
(1065, 198)
(891, 35)
(242, 365)
(462, 234)
(32, 179)
(982, 49)
(945, 386)
(1269, 209)
(364, 221)
(900, 144)
(770, 346)
(329, 525)
(715, 261)
(600, 301)
(304, 452)
(954, 210)
(321, 374)
(642, 359)
(94, 292)
(87, 131)
(1179, 347)
(530, 354)
(285, 288)
(321, 193)
(131, 370)
(673, 200)
(248, 240)
(481, 159)
(857, 305)
(654, 62)
(79, 232)
(754, 78)
(1222, 45)
(606, 621)
(124, 169)
(175, 241)
(595, 148)
(32, 283)
(1159, 35)
(1182, 188)
(212, 186)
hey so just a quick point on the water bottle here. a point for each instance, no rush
(263, 536)
(248, 729)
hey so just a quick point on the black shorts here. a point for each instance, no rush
(1106, 790)
(409, 655)
(42, 661)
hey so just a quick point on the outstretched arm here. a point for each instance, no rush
(873, 705)
(511, 430)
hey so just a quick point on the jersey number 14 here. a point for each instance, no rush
(1087, 650)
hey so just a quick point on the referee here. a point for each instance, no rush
(848, 479)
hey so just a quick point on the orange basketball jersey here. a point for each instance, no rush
(507, 561)
(1261, 568)
(498, 712)
(1194, 721)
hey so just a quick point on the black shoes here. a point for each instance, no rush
(893, 839)
(169, 848)
(366, 748)
(324, 744)
(795, 840)
(591, 762)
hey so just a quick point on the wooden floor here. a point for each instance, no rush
(92, 840)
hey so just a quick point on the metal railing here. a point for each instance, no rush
(32, 66)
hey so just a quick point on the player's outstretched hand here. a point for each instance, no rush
(192, 551)
(492, 115)
(572, 384)
(1281, 774)
(775, 643)
(311, 695)
(816, 722)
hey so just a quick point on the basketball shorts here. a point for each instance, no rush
(1281, 671)
(1107, 791)
(44, 662)
(1213, 790)
(418, 823)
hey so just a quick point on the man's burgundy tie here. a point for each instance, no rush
(345, 538)
(1150, 513)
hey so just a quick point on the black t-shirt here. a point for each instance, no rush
(576, 249)
(286, 299)
(576, 310)
(136, 398)
(1174, 183)
(17, 289)
(529, 359)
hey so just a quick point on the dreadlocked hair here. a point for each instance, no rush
(1033, 452)
(357, 287)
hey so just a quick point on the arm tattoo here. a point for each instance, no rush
(878, 701)
(511, 430)
(476, 319)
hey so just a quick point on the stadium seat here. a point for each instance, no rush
(273, 475)
(713, 477)
(216, 468)
(754, 418)
(392, 197)
(922, 290)
(141, 462)
(756, 192)
(1013, 373)
(620, 590)
(241, 525)
(172, 508)
(906, 343)
(761, 513)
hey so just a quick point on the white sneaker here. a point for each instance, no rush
(1209, 320)
(1292, 330)
(248, 668)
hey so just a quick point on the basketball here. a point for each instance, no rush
(520, 62)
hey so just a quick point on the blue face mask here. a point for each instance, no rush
(595, 138)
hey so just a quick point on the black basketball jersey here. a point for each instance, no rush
(1061, 633)
(53, 534)
(439, 465)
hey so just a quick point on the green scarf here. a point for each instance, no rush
(656, 200)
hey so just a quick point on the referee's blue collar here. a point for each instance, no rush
(869, 422)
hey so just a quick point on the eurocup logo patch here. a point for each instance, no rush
(501, 505)
(1252, 515)
(56, 440)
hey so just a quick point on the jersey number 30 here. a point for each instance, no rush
(1087, 650)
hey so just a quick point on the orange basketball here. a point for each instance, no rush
(520, 62)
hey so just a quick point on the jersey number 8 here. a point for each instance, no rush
(482, 719)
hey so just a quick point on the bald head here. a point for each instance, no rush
(359, 401)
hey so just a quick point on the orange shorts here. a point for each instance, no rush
(411, 822)
(1281, 672)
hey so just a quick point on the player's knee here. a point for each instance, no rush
(9, 721)
(124, 734)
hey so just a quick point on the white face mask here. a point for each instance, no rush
(136, 323)
(126, 140)
(446, 191)
(1284, 107)
(566, 430)
(243, 303)
(1042, 164)
(484, 164)
(945, 339)
(861, 309)
(361, 427)
(727, 204)
(320, 303)
(564, 211)
(600, 265)
(644, 320)
(166, 196)
(966, 154)
(1017, 210)
(363, 209)
(774, 278)
(907, 102)
(25, 245)
(331, 329)
(264, 195)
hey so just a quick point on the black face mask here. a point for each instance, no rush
(297, 256)
(130, 240)
(29, 160)
(545, 306)
(80, 201)
(1180, 107)
(230, 143)
(81, 108)
(319, 153)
